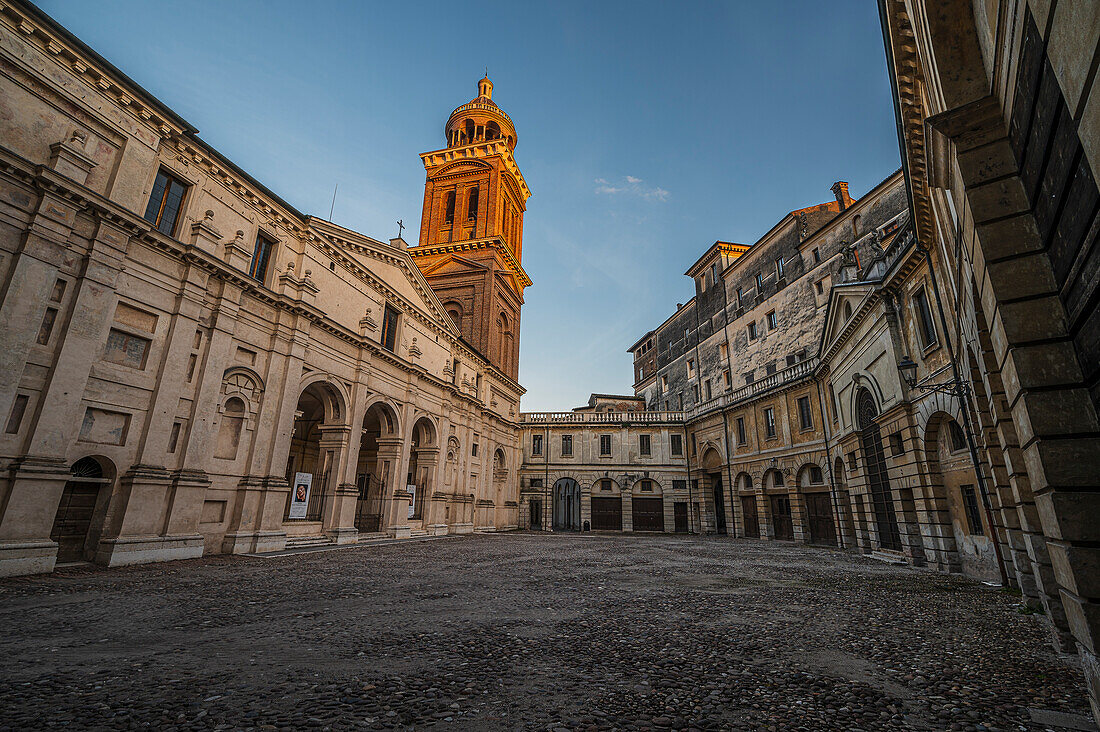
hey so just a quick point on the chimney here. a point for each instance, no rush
(840, 190)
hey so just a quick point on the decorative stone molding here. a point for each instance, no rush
(236, 253)
(68, 158)
(204, 235)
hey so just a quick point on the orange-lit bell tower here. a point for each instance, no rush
(471, 230)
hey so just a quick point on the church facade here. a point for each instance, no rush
(192, 366)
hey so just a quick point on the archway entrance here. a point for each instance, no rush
(378, 449)
(306, 456)
(72, 525)
(567, 505)
(749, 512)
(779, 504)
(712, 464)
(878, 479)
(422, 461)
(818, 504)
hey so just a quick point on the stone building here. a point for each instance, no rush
(181, 347)
(999, 124)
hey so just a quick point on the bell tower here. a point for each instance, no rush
(471, 229)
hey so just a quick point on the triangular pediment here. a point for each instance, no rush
(844, 303)
(453, 264)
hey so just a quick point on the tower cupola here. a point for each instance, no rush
(480, 120)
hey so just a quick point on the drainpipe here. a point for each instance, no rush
(729, 465)
(687, 461)
(964, 402)
(546, 482)
(829, 457)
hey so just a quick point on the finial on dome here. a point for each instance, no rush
(485, 87)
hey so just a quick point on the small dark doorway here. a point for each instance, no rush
(607, 514)
(719, 506)
(819, 516)
(567, 505)
(73, 521)
(536, 514)
(680, 517)
(781, 517)
(648, 514)
(752, 518)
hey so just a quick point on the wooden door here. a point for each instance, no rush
(819, 516)
(607, 514)
(649, 514)
(752, 520)
(680, 517)
(782, 521)
(74, 520)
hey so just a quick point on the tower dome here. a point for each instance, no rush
(480, 120)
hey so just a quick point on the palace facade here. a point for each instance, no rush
(192, 366)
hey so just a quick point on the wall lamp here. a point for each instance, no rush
(908, 369)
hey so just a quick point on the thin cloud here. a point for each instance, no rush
(631, 186)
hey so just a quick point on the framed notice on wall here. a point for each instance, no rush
(412, 499)
(299, 495)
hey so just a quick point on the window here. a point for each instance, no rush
(676, 445)
(973, 517)
(18, 409)
(164, 204)
(605, 484)
(773, 320)
(759, 285)
(679, 485)
(680, 399)
(815, 474)
(664, 381)
(174, 437)
(58, 290)
(46, 328)
(769, 422)
(126, 350)
(605, 444)
(924, 318)
(695, 391)
(752, 331)
(958, 439)
(389, 328)
(727, 381)
(261, 255)
(805, 416)
(749, 377)
(741, 437)
(694, 444)
(709, 391)
(723, 350)
(644, 445)
(779, 268)
(740, 298)
(817, 256)
(192, 361)
(449, 215)
(473, 449)
(820, 287)
(536, 482)
(691, 367)
(536, 444)
(471, 208)
(714, 273)
(897, 446)
(769, 369)
(852, 462)
(229, 431)
(567, 444)
(647, 485)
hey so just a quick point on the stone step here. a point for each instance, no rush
(300, 542)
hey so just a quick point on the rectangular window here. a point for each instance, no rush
(852, 462)
(389, 328)
(473, 449)
(605, 484)
(816, 475)
(536, 444)
(897, 447)
(174, 437)
(779, 268)
(644, 446)
(261, 257)
(749, 377)
(58, 290)
(769, 369)
(740, 298)
(817, 256)
(567, 444)
(759, 285)
(192, 361)
(741, 436)
(679, 485)
(820, 287)
(769, 422)
(18, 409)
(695, 391)
(723, 350)
(449, 208)
(773, 320)
(752, 331)
(471, 207)
(694, 444)
(46, 330)
(709, 390)
(536, 482)
(664, 381)
(605, 444)
(691, 367)
(676, 445)
(714, 272)
(126, 350)
(164, 204)
(680, 399)
(924, 318)
(973, 517)
(726, 379)
(805, 416)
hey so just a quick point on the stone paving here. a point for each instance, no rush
(526, 631)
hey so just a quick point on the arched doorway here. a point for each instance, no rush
(878, 479)
(749, 510)
(712, 466)
(567, 505)
(779, 505)
(647, 506)
(422, 461)
(818, 505)
(606, 505)
(379, 451)
(72, 525)
(319, 407)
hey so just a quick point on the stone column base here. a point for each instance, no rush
(437, 529)
(253, 542)
(142, 549)
(343, 535)
(27, 557)
(399, 532)
(463, 528)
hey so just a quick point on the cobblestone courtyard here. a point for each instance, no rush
(525, 631)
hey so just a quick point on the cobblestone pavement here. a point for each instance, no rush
(525, 631)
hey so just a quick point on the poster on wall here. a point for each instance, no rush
(299, 495)
(412, 499)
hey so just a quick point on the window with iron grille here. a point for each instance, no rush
(605, 444)
(816, 475)
(769, 422)
(536, 444)
(676, 444)
(973, 516)
(567, 444)
(805, 416)
(644, 446)
(605, 484)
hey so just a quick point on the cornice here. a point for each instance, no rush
(493, 242)
(477, 151)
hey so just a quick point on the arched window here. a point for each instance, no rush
(454, 311)
(229, 432)
(470, 129)
(492, 131)
(449, 216)
(856, 221)
(471, 208)
(847, 311)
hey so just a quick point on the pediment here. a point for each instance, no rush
(453, 264)
(844, 302)
(461, 166)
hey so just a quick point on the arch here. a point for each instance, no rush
(243, 381)
(878, 477)
(234, 413)
(468, 130)
(377, 464)
(78, 521)
(500, 460)
(810, 475)
(424, 432)
(856, 221)
(382, 415)
(777, 499)
(712, 458)
(750, 510)
(773, 480)
(647, 487)
(492, 131)
(567, 505)
(330, 395)
(423, 454)
(454, 311)
(449, 208)
(847, 311)
(818, 515)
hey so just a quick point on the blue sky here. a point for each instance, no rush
(646, 130)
